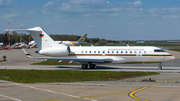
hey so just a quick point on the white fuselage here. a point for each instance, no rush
(118, 54)
(90, 55)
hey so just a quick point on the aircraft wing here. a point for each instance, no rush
(78, 59)
(70, 59)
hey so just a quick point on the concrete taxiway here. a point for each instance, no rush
(165, 88)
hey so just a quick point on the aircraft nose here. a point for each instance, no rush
(170, 58)
(173, 57)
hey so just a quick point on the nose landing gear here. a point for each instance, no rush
(160, 66)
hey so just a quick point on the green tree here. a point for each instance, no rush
(103, 42)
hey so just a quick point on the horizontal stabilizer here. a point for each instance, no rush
(42, 39)
(27, 54)
(24, 30)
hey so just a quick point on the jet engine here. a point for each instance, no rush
(55, 51)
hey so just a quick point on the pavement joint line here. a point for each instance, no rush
(10, 97)
(90, 96)
(41, 90)
(50, 91)
(132, 94)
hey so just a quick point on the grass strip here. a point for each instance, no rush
(175, 50)
(45, 76)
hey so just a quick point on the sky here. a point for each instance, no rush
(108, 19)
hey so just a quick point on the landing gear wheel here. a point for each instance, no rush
(84, 66)
(92, 66)
(160, 68)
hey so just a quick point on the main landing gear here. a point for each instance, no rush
(160, 66)
(91, 66)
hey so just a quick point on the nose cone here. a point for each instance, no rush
(173, 58)
(169, 58)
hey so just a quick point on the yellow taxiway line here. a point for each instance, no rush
(131, 94)
(90, 96)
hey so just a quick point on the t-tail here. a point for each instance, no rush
(42, 39)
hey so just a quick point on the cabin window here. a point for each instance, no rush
(112, 51)
(103, 51)
(81, 51)
(135, 52)
(144, 52)
(117, 52)
(121, 52)
(108, 52)
(159, 50)
(98, 51)
(139, 51)
(86, 52)
(131, 52)
(89, 51)
(126, 52)
(94, 51)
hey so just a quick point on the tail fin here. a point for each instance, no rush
(42, 39)
(82, 39)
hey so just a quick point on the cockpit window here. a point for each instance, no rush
(159, 50)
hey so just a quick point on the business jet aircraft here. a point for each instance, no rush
(91, 55)
(68, 43)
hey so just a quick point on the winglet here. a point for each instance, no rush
(27, 54)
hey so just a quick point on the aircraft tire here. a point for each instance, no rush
(84, 66)
(92, 66)
(160, 68)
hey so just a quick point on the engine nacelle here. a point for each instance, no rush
(55, 51)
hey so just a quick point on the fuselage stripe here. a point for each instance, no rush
(119, 55)
(73, 43)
